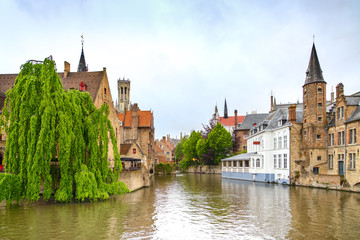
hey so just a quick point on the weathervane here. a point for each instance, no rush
(82, 40)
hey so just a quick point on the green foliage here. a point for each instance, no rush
(179, 154)
(237, 153)
(220, 141)
(48, 126)
(164, 168)
(189, 150)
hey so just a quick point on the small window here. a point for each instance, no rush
(318, 136)
(104, 90)
(316, 170)
(319, 158)
(319, 104)
(319, 90)
(319, 119)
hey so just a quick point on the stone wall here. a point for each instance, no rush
(207, 169)
(134, 179)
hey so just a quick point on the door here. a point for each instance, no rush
(341, 167)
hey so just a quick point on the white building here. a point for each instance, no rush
(268, 152)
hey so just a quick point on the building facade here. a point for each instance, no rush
(268, 156)
(324, 143)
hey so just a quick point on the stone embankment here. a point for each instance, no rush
(205, 169)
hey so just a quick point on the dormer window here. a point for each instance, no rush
(82, 86)
(280, 123)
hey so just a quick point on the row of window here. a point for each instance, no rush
(280, 143)
(341, 137)
(279, 159)
(244, 163)
(352, 160)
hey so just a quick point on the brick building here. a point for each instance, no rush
(164, 151)
(137, 126)
(96, 83)
(243, 131)
(323, 141)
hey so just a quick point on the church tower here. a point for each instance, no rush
(123, 95)
(314, 112)
(82, 64)
(225, 110)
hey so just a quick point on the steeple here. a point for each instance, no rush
(313, 72)
(225, 110)
(82, 64)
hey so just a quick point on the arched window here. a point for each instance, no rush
(319, 89)
(257, 162)
(104, 90)
(121, 90)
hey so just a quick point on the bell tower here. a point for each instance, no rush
(123, 95)
(314, 112)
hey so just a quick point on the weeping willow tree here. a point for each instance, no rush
(57, 141)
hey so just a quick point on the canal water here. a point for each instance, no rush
(189, 206)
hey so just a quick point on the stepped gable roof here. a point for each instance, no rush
(250, 119)
(92, 81)
(146, 118)
(230, 121)
(355, 116)
(313, 72)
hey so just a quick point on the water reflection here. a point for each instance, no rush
(193, 206)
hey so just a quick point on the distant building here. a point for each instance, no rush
(230, 123)
(165, 150)
(243, 131)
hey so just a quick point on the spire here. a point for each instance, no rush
(225, 110)
(314, 72)
(82, 64)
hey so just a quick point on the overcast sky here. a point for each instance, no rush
(185, 56)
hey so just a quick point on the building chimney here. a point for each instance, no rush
(236, 119)
(339, 90)
(272, 102)
(66, 69)
(292, 114)
(332, 95)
